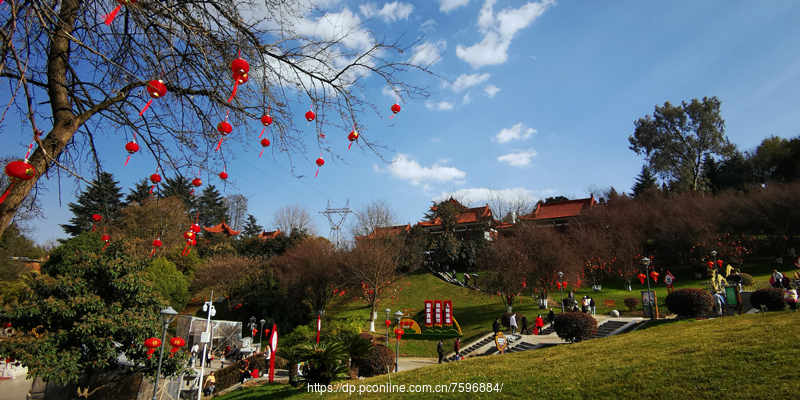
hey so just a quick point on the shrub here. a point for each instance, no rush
(575, 326)
(689, 303)
(325, 362)
(300, 334)
(770, 297)
(747, 280)
(631, 303)
(377, 363)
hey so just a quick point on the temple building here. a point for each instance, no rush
(382, 232)
(558, 213)
(270, 235)
(221, 228)
(475, 219)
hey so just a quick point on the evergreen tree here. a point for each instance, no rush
(141, 192)
(251, 227)
(211, 206)
(180, 187)
(644, 181)
(104, 197)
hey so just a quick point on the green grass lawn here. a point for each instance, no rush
(742, 357)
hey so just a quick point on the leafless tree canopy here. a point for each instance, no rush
(294, 218)
(237, 210)
(375, 214)
(77, 82)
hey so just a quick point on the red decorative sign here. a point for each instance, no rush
(609, 303)
(437, 312)
(448, 312)
(428, 313)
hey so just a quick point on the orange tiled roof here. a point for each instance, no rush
(380, 232)
(270, 235)
(560, 209)
(222, 227)
(467, 215)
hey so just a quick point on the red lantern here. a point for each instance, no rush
(240, 69)
(188, 235)
(642, 277)
(155, 178)
(197, 182)
(320, 162)
(95, 219)
(109, 18)
(719, 263)
(176, 344)
(395, 109)
(352, 137)
(654, 275)
(223, 175)
(156, 244)
(264, 144)
(131, 148)
(310, 116)
(399, 333)
(192, 242)
(156, 89)
(266, 332)
(710, 265)
(266, 120)
(224, 128)
(195, 228)
(18, 171)
(388, 323)
(152, 344)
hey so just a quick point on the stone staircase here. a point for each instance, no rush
(608, 328)
(468, 351)
(523, 346)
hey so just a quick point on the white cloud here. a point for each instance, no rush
(516, 132)
(465, 81)
(428, 53)
(465, 99)
(428, 26)
(480, 196)
(442, 105)
(491, 90)
(435, 139)
(498, 30)
(405, 168)
(519, 159)
(390, 12)
(450, 5)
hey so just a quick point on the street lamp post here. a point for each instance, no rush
(167, 316)
(208, 307)
(261, 334)
(646, 263)
(388, 314)
(716, 270)
(252, 326)
(398, 316)
(561, 289)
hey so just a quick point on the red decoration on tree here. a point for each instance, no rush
(95, 219)
(224, 128)
(399, 333)
(310, 116)
(395, 109)
(642, 277)
(223, 175)
(156, 89)
(266, 120)
(710, 265)
(131, 148)
(654, 275)
(18, 171)
(196, 182)
(176, 344)
(352, 137)
(240, 68)
(719, 263)
(152, 344)
(109, 18)
(320, 162)
(156, 244)
(195, 228)
(188, 235)
(106, 238)
(155, 178)
(388, 323)
(264, 144)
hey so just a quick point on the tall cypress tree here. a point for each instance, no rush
(141, 192)
(211, 206)
(644, 181)
(251, 227)
(180, 187)
(104, 197)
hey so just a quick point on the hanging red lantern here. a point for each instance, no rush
(320, 162)
(642, 277)
(131, 148)
(710, 265)
(654, 275)
(310, 116)
(95, 219)
(264, 144)
(196, 182)
(155, 178)
(152, 344)
(719, 263)
(266, 120)
(240, 68)
(109, 18)
(195, 228)
(107, 239)
(192, 242)
(156, 244)
(18, 171)
(388, 323)
(223, 175)
(224, 128)
(156, 89)
(395, 109)
(188, 235)
(176, 344)
(399, 333)
(352, 137)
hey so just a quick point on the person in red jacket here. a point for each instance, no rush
(457, 348)
(538, 324)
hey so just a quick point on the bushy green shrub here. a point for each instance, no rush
(575, 326)
(324, 362)
(689, 303)
(378, 362)
(336, 327)
(747, 280)
(770, 297)
(168, 282)
(301, 334)
(631, 303)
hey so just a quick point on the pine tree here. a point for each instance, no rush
(180, 187)
(104, 197)
(141, 192)
(211, 206)
(251, 227)
(644, 181)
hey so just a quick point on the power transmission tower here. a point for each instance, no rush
(336, 227)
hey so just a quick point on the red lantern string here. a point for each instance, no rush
(224, 175)
(155, 178)
(155, 89)
(196, 182)
(131, 147)
(109, 18)
(352, 137)
(223, 128)
(156, 244)
(395, 106)
(240, 69)
(310, 116)
(95, 219)
(264, 144)
(106, 238)
(320, 162)
(19, 171)
(266, 120)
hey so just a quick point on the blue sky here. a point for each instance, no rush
(540, 99)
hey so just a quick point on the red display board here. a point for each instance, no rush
(428, 313)
(448, 312)
(437, 312)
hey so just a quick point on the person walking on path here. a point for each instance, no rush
(209, 358)
(592, 305)
(718, 302)
(496, 326)
(457, 348)
(551, 317)
(440, 350)
(194, 351)
(777, 277)
(524, 322)
(538, 325)
(512, 323)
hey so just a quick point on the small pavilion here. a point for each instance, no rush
(221, 228)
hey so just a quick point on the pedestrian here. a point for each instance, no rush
(440, 350)
(208, 386)
(524, 322)
(193, 352)
(209, 358)
(776, 279)
(244, 371)
(571, 295)
(267, 356)
(466, 278)
(786, 283)
(592, 305)
(496, 326)
(538, 325)
(457, 348)
(791, 299)
(512, 323)
(551, 317)
(718, 302)
(585, 304)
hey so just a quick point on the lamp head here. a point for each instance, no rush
(399, 315)
(168, 315)
(646, 262)
(388, 312)
(713, 253)
(262, 322)
(560, 275)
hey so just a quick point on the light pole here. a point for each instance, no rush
(398, 316)
(261, 335)
(205, 337)
(252, 326)
(650, 297)
(388, 314)
(167, 316)
(561, 289)
(716, 271)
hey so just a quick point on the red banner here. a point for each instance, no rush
(437, 312)
(428, 313)
(448, 312)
